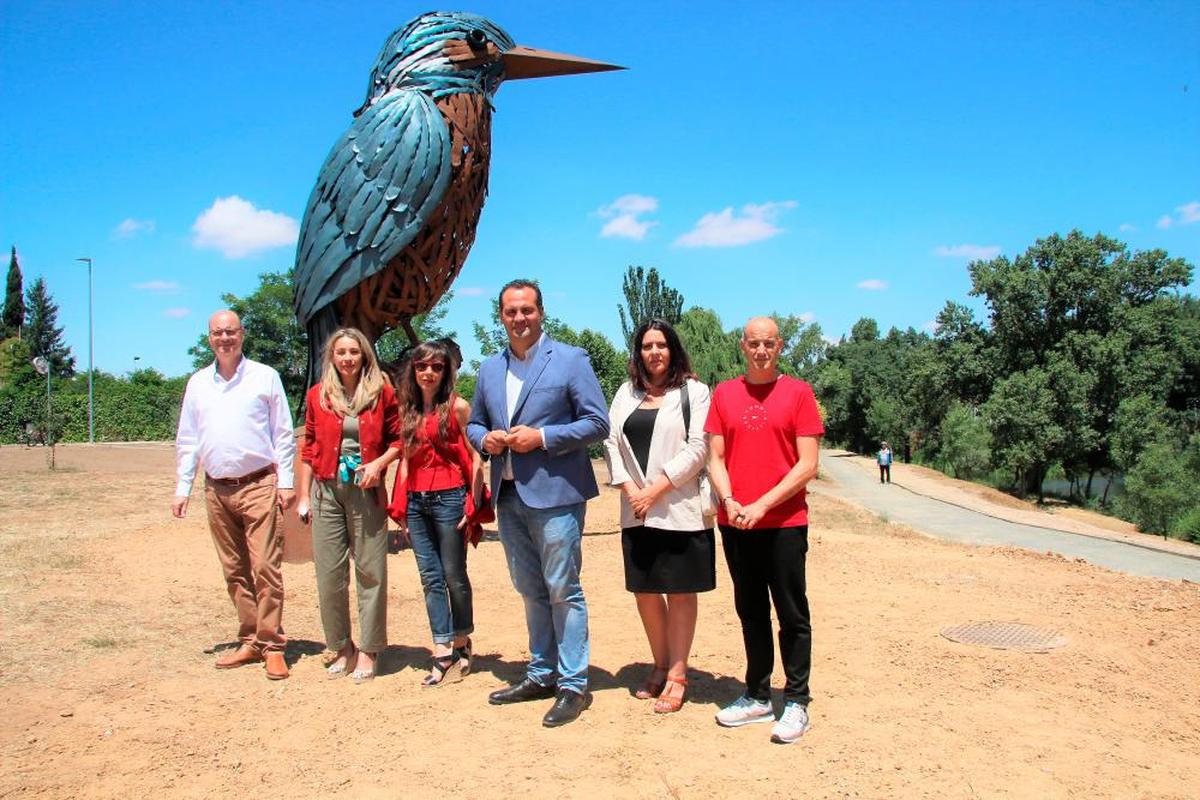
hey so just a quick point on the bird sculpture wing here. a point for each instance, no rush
(378, 186)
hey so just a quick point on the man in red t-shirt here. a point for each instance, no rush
(764, 437)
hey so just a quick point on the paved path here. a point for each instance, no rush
(937, 518)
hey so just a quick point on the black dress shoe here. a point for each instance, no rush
(566, 708)
(520, 692)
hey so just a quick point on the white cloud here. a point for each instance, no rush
(130, 227)
(159, 287)
(969, 251)
(873, 285)
(1127, 228)
(176, 313)
(807, 317)
(238, 229)
(624, 217)
(1188, 213)
(753, 223)
(931, 326)
(469, 291)
(831, 340)
(1164, 222)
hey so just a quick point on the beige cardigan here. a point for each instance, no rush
(681, 461)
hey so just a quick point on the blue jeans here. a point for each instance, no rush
(441, 551)
(545, 555)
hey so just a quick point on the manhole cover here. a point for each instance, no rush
(1006, 636)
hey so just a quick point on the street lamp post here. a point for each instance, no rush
(91, 336)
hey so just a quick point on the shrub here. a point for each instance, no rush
(1158, 489)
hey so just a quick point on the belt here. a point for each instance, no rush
(253, 476)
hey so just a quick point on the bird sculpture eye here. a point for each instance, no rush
(477, 39)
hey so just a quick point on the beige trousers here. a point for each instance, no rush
(242, 521)
(348, 522)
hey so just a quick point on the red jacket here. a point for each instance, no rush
(378, 429)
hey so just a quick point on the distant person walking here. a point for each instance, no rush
(351, 435)
(764, 437)
(884, 458)
(235, 422)
(538, 405)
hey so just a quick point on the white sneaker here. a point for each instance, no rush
(791, 725)
(744, 711)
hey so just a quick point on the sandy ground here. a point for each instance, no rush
(112, 611)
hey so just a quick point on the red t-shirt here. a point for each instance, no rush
(760, 423)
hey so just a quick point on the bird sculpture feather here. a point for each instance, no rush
(393, 213)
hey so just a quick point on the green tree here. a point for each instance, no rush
(715, 353)
(13, 314)
(803, 345)
(966, 443)
(1100, 324)
(609, 363)
(1158, 490)
(647, 296)
(1025, 433)
(273, 336)
(43, 332)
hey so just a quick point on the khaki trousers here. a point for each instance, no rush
(349, 522)
(242, 521)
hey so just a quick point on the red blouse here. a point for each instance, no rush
(432, 467)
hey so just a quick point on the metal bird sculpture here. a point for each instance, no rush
(394, 210)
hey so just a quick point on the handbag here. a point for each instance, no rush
(708, 501)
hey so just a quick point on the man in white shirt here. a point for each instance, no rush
(236, 422)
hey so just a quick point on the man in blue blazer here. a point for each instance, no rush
(537, 407)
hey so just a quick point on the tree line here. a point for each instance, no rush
(1086, 368)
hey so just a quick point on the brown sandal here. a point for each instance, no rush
(652, 687)
(669, 704)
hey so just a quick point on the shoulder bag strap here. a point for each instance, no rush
(686, 401)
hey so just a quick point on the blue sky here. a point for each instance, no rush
(836, 160)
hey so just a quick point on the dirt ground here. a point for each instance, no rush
(112, 611)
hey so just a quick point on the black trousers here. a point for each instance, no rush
(767, 565)
(885, 470)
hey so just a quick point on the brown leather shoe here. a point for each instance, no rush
(277, 668)
(246, 654)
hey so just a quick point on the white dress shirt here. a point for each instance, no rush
(518, 371)
(234, 427)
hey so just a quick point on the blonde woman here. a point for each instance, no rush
(351, 434)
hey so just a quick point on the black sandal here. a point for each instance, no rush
(440, 668)
(464, 658)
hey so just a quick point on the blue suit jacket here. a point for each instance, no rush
(562, 397)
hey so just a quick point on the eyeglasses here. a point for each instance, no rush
(436, 366)
(224, 332)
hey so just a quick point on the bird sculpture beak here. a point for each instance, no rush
(526, 62)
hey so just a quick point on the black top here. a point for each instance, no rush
(639, 427)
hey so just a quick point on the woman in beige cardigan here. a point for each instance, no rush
(656, 460)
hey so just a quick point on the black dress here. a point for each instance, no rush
(657, 560)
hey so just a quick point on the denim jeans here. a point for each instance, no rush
(545, 556)
(441, 552)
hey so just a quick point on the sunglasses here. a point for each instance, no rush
(436, 366)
